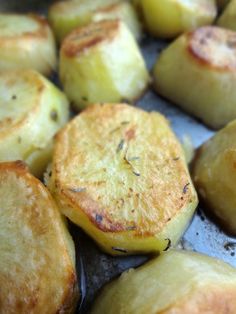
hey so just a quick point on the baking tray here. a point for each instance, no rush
(203, 235)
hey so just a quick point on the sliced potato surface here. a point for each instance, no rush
(102, 63)
(32, 110)
(214, 175)
(26, 42)
(37, 257)
(120, 174)
(228, 17)
(177, 282)
(170, 18)
(64, 16)
(198, 73)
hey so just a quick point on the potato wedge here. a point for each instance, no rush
(170, 18)
(102, 63)
(32, 110)
(177, 282)
(120, 174)
(198, 73)
(214, 175)
(228, 17)
(64, 16)
(37, 256)
(26, 42)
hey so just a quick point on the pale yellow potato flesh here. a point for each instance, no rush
(37, 255)
(215, 178)
(64, 16)
(170, 18)
(228, 17)
(26, 42)
(120, 174)
(176, 282)
(198, 73)
(102, 63)
(32, 110)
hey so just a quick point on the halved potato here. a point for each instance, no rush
(37, 256)
(215, 177)
(64, 16)
(198, 73)
(102, 63)
(177, 282)
(32, 110)
(170, 18)
(120, 174)
(228, 17)
(26, 42)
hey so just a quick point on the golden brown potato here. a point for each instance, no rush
(32, 110)
(64, 16)
(37, 262)
(26, 42)
(177, 282)
(120, 174)
(102, 63)
(170, 18)
(198, 73)
(214, 175)
(228, 17)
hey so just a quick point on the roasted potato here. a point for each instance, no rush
(228, 17)
(64, 16)
(120, 174)
(32, 110)
(37, 256)
(102, 63)
(177, 282)
(198, 73)
(170, 18)
(26, 42)
(214, 175)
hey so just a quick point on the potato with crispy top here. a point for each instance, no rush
(64, 16)
(228, 17)
(102, 63)
(32, 110)
(170, 18)
(120, 174)
(215, 177)
(26, 42)
(176, 282)
(37, 255)
(198, 73)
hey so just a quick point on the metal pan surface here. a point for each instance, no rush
(203, 235)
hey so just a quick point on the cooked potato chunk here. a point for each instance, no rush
(37, 262)
(228, 17)
(177, 282)
(170, 18)
(26, 42)
(198, 72)
(214, 175)
(31, 112)
(120, 174)
(64, 16)
(102, 63)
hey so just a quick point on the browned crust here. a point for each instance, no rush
(201, 46)
(84, 38)
(84, 202)
(35, 80)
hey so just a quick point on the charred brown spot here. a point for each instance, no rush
(130, 134)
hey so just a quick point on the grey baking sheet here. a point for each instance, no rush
(203, 234)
